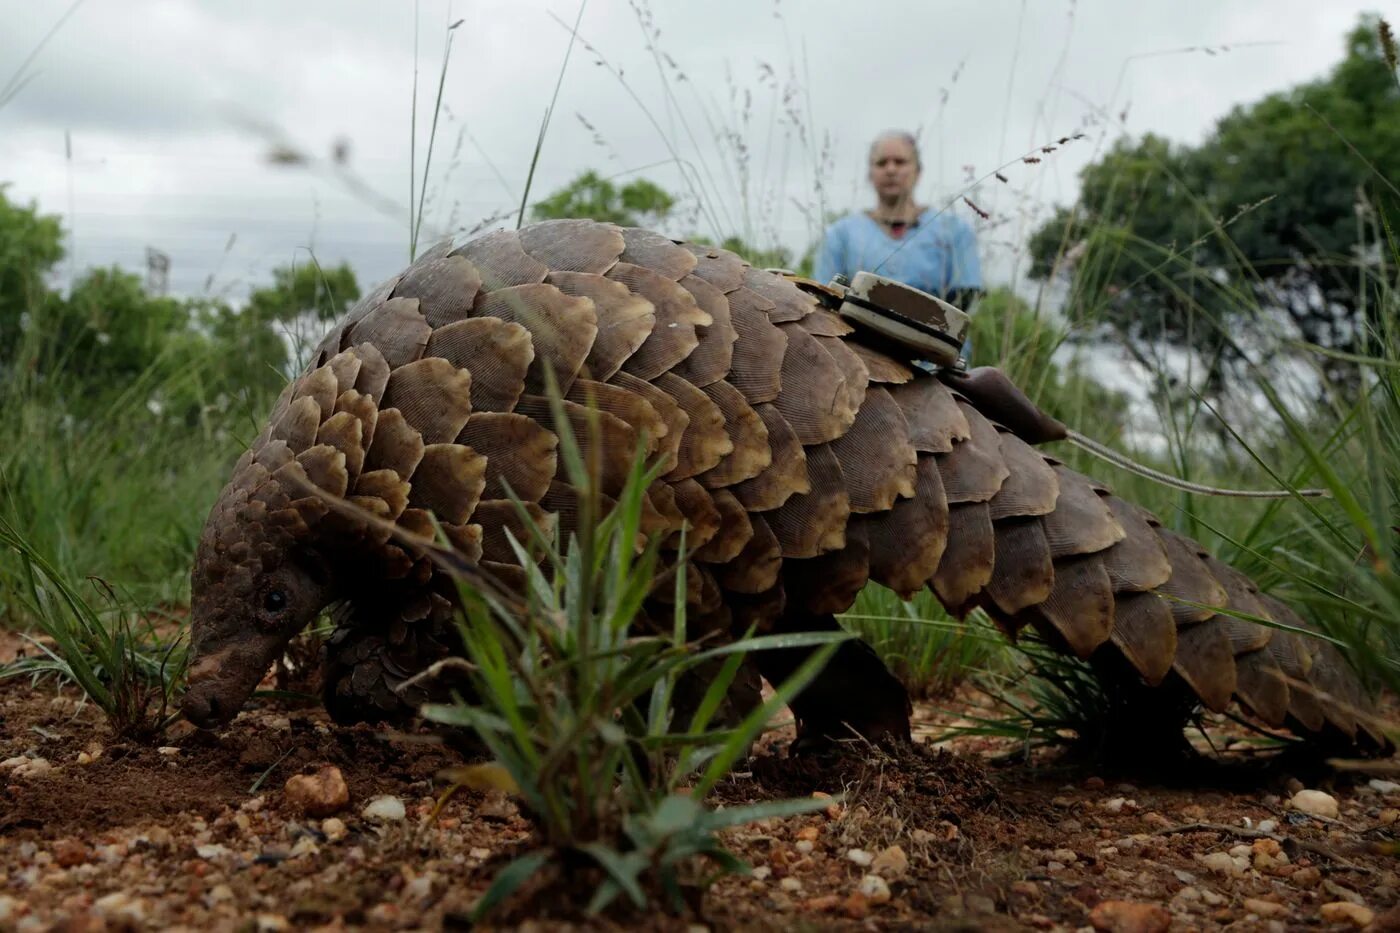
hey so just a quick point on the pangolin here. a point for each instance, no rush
(802, 460)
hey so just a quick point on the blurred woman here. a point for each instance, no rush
(933, 251)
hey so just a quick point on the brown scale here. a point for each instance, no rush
(789, 303)
(824, 323)
(812, 523)
(448, 482)
(705, 441)
(907, 542)
(345, 367)
(751, 454)
(363, 409)
(756, 567)
(712, 358)
(1143, 629)
(433, 395)
(673, 336)
(829, 583)
(877, 460)
(786, 474)
(734, 532)
(606, 443)
(974, 470)
(624, 319)
(676, 421)
(1023, 574)
(814, 399)
(1080, 604)
(396, 445)
(521, 455)
(496, 353)
(396, 329)
(882, 369)
(758, 350)
(344, 433)
(573, 245)
(501, 260)
(499, 516)
(374, 371)
(657, 253)
(630, 407)
(700, 512)
(1082, 522)
(719, 267)
(936, 422)
(445, 288)
(852, 369)
(561, 329)
(968, 556)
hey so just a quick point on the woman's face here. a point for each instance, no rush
(894, 169)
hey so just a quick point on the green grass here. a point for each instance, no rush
(578, 700)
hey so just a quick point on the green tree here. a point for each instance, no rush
(1273, 215)
(639, 203)
(109, 329)
(30, 245)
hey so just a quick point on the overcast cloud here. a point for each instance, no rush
(171, 106)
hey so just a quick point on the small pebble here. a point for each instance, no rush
(891, 864)
(1314, 803)
(1263, 908)
(1384, 787)
(334, 829)
(1268, 826)
(762, 873)
(791, 885)
(28, 768)
(805, 846)
(384, 809)
(875, 889)
(1130, 917)
(168, 751)
(319, 794)
(860, 857)
(1067, 856)
(1347, 912)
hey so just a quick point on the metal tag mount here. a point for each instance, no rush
(928, 326)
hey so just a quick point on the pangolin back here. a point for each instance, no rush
(804, 462)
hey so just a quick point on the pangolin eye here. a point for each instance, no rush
(275, 601)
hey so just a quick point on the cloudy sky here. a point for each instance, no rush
(148, 123)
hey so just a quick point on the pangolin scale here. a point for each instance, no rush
(804, 461)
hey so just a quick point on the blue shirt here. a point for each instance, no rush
(937, 255)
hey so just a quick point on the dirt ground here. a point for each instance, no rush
(198, 835)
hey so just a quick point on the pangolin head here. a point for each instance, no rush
(259, 578)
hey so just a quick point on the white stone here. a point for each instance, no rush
(875, 889)
(169, 751)
(860, 857)
(1384, 787)
(762, 873)
(334, 829)
(384, 809)
(1222, 863)
(120, 906)
(1314, 803)
(1268, 826)
(805, 846)
(790, 885)
(305, 846)
(211, 851)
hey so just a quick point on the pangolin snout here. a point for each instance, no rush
(220, 683)
(204, 708)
